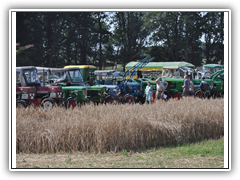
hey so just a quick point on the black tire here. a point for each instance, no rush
(109, 100)
(197, 94)
(71, 103)
(90, 101)
(48, 103)
(21, 103)
(129, 99)
(177, 95)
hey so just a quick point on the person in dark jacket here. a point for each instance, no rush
(204, 87)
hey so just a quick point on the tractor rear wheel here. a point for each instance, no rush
(71, 103)
(21, 104)
(198, 94)
(129, 99)
(48, 103)
(177, 95)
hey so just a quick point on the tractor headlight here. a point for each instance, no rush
(59, 94)
(31, 95)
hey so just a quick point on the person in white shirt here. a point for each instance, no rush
(160, 90)
(165, 83)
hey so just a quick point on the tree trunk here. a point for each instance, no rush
(100, 43)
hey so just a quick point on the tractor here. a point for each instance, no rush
(216, 86)
(174, 77)
(110, 79)
(131, 90)
(74, 88)
(30, 91)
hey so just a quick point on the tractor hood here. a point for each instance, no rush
(74, 88)
(109, 86)
(94, 87)
(133, 84)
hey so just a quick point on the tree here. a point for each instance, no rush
(110, 38)
(130, 36)
(214, 37)
(101, 35)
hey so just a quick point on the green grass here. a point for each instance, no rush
(204, 148)
(204, 154)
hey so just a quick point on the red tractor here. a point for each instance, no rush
(29, 90)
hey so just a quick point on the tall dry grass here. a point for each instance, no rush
(118, 127)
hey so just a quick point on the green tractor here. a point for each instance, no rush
(216, 85)
(175, 82)
(74, 89)
(210, 69)
(174, 76)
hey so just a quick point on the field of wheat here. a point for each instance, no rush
(115, 128)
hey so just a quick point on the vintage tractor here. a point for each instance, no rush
(110, 79)
(96, 94)
(69, 81)
(175, 80)
(29, 90)
(131, 90)
(216, 86)
(74, 88)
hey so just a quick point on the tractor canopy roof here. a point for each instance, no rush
(160, 65)
(81, 66)
(212, 65)
(25, 68)
(108, 72)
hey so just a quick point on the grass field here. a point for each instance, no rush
(204, 154)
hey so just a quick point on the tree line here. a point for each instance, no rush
(108, 39)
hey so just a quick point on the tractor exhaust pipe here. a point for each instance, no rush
(43, 79)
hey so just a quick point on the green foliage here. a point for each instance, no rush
(105, 39)
(68, 160)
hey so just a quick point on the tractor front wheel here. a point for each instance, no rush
(109, 101)
(48, 103)
(21, 104)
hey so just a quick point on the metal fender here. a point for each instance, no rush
(125, 95)
(44, 97)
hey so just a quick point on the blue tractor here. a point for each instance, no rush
(131, 90)
(110, 79)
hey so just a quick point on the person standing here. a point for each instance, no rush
(204, 87)
(186, 86)
(165, 83)
(191, 90)
(160, 89)
(148, 93)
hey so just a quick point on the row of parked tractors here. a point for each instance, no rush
(47, 87)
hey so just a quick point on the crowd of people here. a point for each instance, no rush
(161, 86)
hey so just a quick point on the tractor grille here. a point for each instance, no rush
(92, 92)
